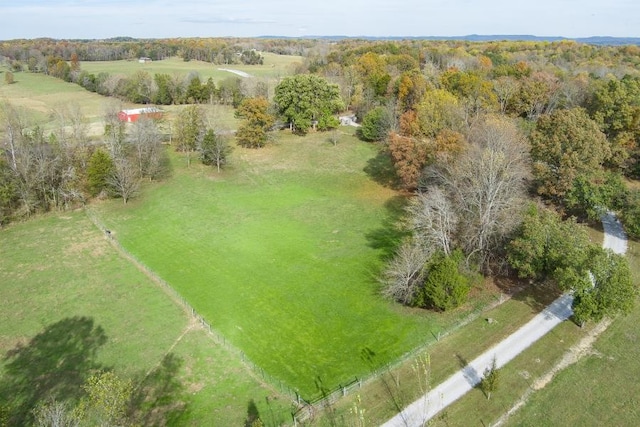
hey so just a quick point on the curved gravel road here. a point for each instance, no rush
(423, 409)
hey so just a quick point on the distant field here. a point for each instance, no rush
(275, 66)
(280, 253)
(59, 267)
(39, 95)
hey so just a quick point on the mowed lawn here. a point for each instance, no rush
(59, 273)
(281, 254)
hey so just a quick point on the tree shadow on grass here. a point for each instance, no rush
(389, 235)
(52, 365)
(56, 363)
(157, 399)
(380, 168)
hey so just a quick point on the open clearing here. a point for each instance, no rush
(280, 253)
(60, 270)
(274, 67)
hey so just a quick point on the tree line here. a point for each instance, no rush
(473, 130)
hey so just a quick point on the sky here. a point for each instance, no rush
(97, 19)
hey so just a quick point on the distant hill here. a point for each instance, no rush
(597, 40)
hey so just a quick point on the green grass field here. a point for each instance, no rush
(59, 270)
(280, 253)
(39, 95)
(274, 67)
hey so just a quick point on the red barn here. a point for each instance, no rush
(133, 115)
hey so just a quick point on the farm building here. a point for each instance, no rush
(133, 115)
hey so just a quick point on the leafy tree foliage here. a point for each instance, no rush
(375, 125)
(215, 149)
(490, 380)
(611, 291)
(438, 110)
(108, 399)
(548, 248)
(410, 156)
(590, 197)
(446, 286)
(257, 122)
(99, 170)
(615, 106)
(8, 192)
(630, 214)
(564, 145)
(306, 100)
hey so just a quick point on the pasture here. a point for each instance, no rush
(59, 274)
(281, 253)
(274, 67)
(38, 95)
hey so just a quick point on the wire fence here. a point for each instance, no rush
(217, 337)
(303, 410)
(329, 397)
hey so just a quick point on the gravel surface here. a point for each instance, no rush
(423, 409)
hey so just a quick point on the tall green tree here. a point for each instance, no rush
(99, 169)
(214, 149)
(548, 248)
(189, 130)
(615, 106)
(306, 101)
(375, 125)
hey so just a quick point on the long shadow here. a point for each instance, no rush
(253, 415)
(469, 372)
(380, 168)
(56, 363)
(52, 365)
(157, 399)
(389, 235)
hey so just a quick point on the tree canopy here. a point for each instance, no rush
(307, 100)
(564, 145)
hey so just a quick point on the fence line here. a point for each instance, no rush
(305, 409)
(217, 337)
(306, 412)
